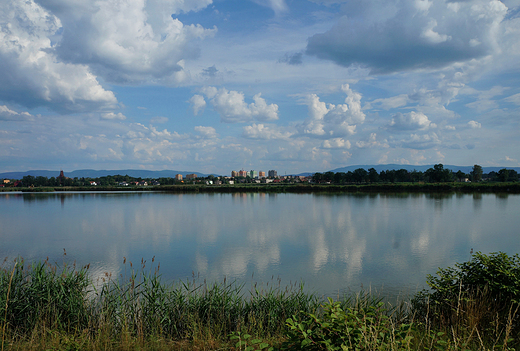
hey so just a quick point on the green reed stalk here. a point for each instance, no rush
(6, 302)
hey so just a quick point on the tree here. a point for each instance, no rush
(373, 176)
(28, 180)
(476, 173)
(328, 177)
(438, 174)
(402, 175)
(416, 176)
(360, 175)
(503, 175)
(339, 177)
(317, 177)
(460, 175)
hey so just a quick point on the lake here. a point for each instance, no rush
(333, 243)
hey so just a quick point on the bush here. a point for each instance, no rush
(367, 328)
(482, 294)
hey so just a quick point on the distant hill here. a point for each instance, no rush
(91, 173)
(379, 168)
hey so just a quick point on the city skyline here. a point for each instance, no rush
(298, 86)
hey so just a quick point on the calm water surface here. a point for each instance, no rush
(334, 243)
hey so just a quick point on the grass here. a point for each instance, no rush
(43, 301)
(51, 307)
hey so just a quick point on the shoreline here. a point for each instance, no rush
(456, 187)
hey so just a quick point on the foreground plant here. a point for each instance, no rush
(473, 306)
(368, 328)
(478, 299)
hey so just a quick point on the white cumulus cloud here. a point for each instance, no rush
(7, 114)
(113, 116)
(31, 74)
(206, 132)
(129, 41)
(474, 124)
(197, 103)
(331, 121)
(232, 107)
(410, 121)
(261, 131)
(336, 143)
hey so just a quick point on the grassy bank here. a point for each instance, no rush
(484, 187)
(47, 307)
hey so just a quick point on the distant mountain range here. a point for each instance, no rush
(136, 173)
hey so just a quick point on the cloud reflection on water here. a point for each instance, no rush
(332, 242)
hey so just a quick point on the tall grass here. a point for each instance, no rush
(45, 306)
(45, 296)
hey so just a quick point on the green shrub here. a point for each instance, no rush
(368, 328)
(481, 295)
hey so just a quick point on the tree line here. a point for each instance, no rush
(110, 180)
(436, 174)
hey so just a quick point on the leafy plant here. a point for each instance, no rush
(482, 294)
(244, 342)
(349, 329)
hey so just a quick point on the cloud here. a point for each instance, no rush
(278, 6)
(7, 114)
(372, 142)
(390, 103)
(260, 131)
(292, 59)
(128, 41)
(392, 36)
(474, 124)
(159, 120)
(336, 143)
(206, 132)
(515, 99)
(420, 142)
(113, 116)
(210, 72)
(198, 104)
(233, 109)
(410, 121)
(484, 98)
(31, 74)
(331, 121)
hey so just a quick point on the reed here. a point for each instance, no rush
(47, 297)
(51, 307)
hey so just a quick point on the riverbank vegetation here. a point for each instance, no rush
(436, 178)
(43, 306)
(453, 187)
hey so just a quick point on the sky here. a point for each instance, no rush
(290, 85)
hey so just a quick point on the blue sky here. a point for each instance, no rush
(291, 85)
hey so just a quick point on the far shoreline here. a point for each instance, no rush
(454, 187)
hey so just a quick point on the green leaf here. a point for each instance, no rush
(305, 342)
